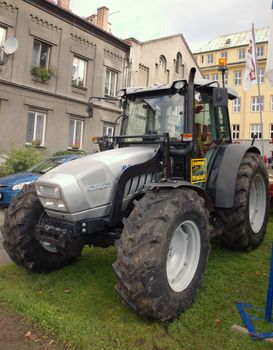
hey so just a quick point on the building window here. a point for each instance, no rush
(111, 82)
(178, 63)
(79, 69)
(237, 105)
(3, 33)
(210, 58)
(236, 131)
(259, 50)
(255, 103)
(237, 78)
(162, 62)
(108, 130)
(41, 54)
(206, 76)
(261, 75)
(226, 78)
(224, 54)
(255, 129)
(271, 131)
(214, 76)
(75, 133)
(202, 58)
(36, 124)
(241, 54)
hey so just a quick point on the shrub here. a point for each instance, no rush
(20, 159)
(42, 73)
(67, 152)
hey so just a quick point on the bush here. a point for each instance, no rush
(67, 152)
(20, 159)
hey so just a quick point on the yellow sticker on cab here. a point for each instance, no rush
(198, 170)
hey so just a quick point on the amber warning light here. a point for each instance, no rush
(222, 63)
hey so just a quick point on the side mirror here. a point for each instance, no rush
(89, 109)
(220, 97)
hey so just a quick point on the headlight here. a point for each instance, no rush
(50, 197)
(53, 204)
(20, 185)
(48, 191)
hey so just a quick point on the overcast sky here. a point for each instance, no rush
(198, 20)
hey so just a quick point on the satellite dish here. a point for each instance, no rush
(10, 45)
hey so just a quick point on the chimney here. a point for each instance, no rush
(102, 18)
(64, 4)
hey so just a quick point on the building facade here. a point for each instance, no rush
(61, 61)
(245, 110)
(160, 61)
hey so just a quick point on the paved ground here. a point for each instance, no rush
(4, 259)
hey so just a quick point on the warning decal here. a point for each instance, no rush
(198, 170)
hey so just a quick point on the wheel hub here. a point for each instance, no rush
(257, 203)
(183, 255)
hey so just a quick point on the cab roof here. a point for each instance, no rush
(232, 94)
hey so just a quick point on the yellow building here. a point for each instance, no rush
(245, 110)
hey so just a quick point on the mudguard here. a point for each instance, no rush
(180, 184)
(223, 174)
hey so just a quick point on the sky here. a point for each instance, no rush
(198, 20)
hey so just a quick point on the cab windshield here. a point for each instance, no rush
(155, 115)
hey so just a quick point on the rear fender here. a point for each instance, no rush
(223, 174)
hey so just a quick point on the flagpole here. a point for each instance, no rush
(259, 90)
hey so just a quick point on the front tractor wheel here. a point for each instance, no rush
(19, 233)
(163, 253)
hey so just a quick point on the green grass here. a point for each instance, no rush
(79, 305)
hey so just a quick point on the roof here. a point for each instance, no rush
(234, 40)
(232, 94)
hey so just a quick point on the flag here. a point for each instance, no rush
(251, 77)
(269, 62)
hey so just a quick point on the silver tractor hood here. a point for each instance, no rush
(84, 188)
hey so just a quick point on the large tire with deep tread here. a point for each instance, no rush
(18, 230)
(244, 225)
(144, 250)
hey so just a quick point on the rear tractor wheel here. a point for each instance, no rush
(244, 225)
(163, 253)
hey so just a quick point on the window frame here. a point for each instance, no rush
(108, 126)
(109, 87)
(215, 76)
(235, 131)
(41, 44)
(260, 51)
(72, 144)
(210, 58)
(241, 54)
(237, 78)
(255, 104)
(258, 132)
(261, 75)
(271, 131)
(5, 30)
(35, 140)
(178, 63)
(237, 105)
(76, 84)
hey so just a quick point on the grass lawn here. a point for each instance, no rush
(79, 305)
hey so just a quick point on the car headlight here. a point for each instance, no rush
(50, 197)
(20, 185)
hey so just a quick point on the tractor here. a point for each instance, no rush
(159, 191)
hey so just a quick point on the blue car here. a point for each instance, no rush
(11, 185)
